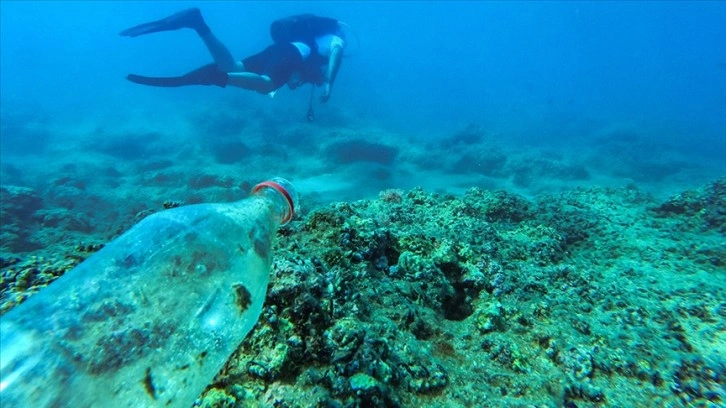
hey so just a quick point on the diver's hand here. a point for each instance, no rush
(326, 93)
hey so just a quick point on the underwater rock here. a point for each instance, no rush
(24, 134)
(489, 161)
(18, 207)
(344, 339)
(301, 137)
(497, 205)
(707, 205)
(229, 151)
(65, 220)
(491, 317)
(19, 202)
(155, 165)
(543, 245)
(271, 365)
(625, 153)
(583, 298)
(215, 398)
(586, 392)
(66, 192)
(696, 379)
(391, 195)
(527, 171)
(361, 150)
(201, 181)
(471, 150)
(222, 123)
(472, 134)
(21, 278)
(578, 362)
(129, 146)
(364, 386)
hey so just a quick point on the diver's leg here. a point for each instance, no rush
(221, 55)
(251, 81)
(208, 74)
(190, 18)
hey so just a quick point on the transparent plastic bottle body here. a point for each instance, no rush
(151, 318)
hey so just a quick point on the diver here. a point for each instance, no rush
(306, 49)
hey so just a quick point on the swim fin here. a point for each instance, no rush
(189, 18)
(208, 74)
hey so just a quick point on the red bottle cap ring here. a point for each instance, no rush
(284, 193)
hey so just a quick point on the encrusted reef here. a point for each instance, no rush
(17, 206)
(589, 298)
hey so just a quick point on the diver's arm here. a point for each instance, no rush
(336, 56)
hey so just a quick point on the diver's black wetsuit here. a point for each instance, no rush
(278, 61)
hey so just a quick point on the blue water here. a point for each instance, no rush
(534, 74)
(528, 97)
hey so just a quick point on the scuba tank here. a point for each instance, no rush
(303, 28)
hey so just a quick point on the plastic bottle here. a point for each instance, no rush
(151, 318)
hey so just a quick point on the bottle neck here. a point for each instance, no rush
(280, 206)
